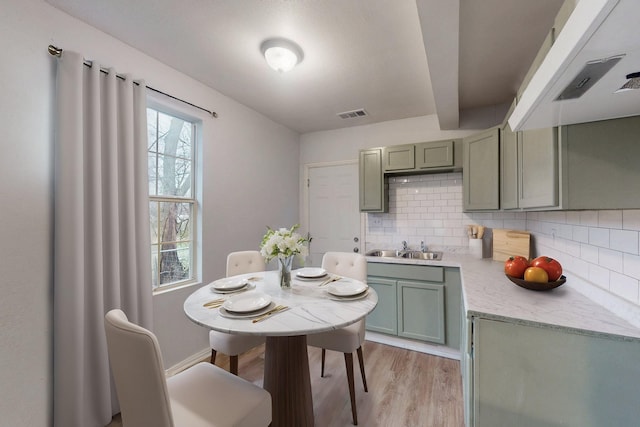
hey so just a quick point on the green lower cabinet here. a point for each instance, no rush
(383, 319)
(421, 311)
(416, 302)
(530, 376)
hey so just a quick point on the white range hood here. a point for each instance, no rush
(595, 31)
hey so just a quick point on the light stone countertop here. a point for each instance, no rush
(488, 294)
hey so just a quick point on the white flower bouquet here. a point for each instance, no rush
(283, 243)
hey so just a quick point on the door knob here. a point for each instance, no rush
(356, 250)
(355, 239)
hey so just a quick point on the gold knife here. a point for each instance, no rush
(334, 279)
(277, 309)
(214, 302)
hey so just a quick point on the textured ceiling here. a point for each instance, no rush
(357, 53)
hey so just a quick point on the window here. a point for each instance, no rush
(172, 202)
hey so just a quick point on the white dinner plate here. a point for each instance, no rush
(247, 287)
(233, 315)
(229, 284)
(346, 289)
(350, 298)
(246, 302)
(311, 273)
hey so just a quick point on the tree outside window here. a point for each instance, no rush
(171, 194)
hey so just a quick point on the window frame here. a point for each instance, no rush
(193, 199)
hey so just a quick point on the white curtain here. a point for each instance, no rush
(101, 232)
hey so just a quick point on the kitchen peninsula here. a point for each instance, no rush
(540, 358)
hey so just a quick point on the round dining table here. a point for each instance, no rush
(311, 308)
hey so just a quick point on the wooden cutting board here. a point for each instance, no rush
(508, 243)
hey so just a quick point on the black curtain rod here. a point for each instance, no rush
(55, 51)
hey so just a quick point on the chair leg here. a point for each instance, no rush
(322, 362)
(361, 361)
(213, 357)
(233, 364)
(348, 360)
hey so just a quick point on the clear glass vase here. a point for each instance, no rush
(285, 265)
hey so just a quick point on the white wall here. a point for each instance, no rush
(238, 146)
(344, 144)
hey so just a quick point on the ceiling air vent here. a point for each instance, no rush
(352, 114)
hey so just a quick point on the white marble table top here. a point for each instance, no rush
(311, 309)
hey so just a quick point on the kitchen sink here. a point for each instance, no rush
(390, 253)
(387, 253)
(434, 256)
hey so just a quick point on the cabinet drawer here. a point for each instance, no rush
(427, 273)
(421, 311)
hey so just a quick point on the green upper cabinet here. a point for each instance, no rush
(582, 166)
(508, 168)
(398, 157)
(373, 197)
(601, 164)
(406, 159)
(434, 154)
(481, 177)
(538, 168)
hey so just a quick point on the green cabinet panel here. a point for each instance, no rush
(508, 167)
(530, 376)
(421, 311)
(481, 177)
(602, 164)
(434, 154)
(538, 168)
(398, 157)
(373, 197)
(466, 367)
(384, 317)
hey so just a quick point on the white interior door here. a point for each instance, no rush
(334, 216)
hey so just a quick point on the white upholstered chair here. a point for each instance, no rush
(348, 339)
(202, 395)
(233, 345)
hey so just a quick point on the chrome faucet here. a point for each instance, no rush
(423, 247)
(404, 245)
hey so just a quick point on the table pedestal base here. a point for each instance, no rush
(286, 377)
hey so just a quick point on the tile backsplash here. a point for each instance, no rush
(602, 247)
(429, 208)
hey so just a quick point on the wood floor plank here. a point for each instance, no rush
(406, 388)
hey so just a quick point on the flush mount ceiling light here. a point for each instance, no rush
(281, 54)
(633, 82)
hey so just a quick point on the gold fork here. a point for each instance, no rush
(277, 309)
(214, 303)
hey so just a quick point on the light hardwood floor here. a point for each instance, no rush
(406, 388)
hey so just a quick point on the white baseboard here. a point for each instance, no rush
(190, 361)
(436, 350)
